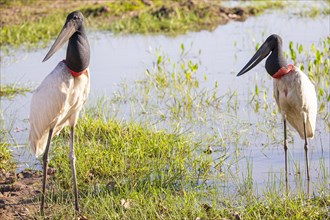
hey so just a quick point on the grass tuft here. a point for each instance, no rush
(6, 159)
(11, 90)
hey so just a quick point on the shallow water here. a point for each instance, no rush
(224, 52)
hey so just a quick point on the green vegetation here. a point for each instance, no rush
(128, 172)
(313, 11)
(179, 152)
(129, 169)
(170, 159)
(6, 159)
(259, 7)
(176, 156)
(10, 90)
(34, 23)
(315, 62)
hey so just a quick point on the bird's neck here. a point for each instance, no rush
(283, 71)
(78, 52)
(276, 64)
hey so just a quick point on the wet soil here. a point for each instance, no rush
(19, 194)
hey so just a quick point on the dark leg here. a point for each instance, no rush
(45, 166)
(286, 157)
(306, 151)
(306, 155)
(73, 167)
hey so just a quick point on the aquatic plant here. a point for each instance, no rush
(315, 62)
(11, 90)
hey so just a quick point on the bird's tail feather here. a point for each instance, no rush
(38, 142)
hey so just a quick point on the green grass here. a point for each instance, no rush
(177, 153)
(146, 158)
(32, 33)
(259, 7)
(315, 62)
(6, 158)
(11, 90)
(125, 161)
(126, 171)
(313, 11)
(36, 22)
(175, 156)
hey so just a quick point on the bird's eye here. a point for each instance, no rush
(75, 17)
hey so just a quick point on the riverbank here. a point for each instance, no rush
(35, 23)
(167, 146)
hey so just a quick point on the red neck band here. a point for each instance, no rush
(73, 73)
(281, 72)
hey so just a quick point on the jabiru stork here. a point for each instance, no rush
(61, 95)
(294, 93)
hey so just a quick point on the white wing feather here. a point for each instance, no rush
(55, 104)
(296, 98)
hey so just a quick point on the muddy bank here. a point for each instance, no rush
(34, 23)
(19, 194)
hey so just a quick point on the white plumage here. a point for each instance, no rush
(58, 100)
(294, 93)
(55, 104)
(296, 98)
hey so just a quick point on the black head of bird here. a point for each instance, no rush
(78, 51)
(274, 62)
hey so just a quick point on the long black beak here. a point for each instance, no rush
(67, 31)
(263, 52)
